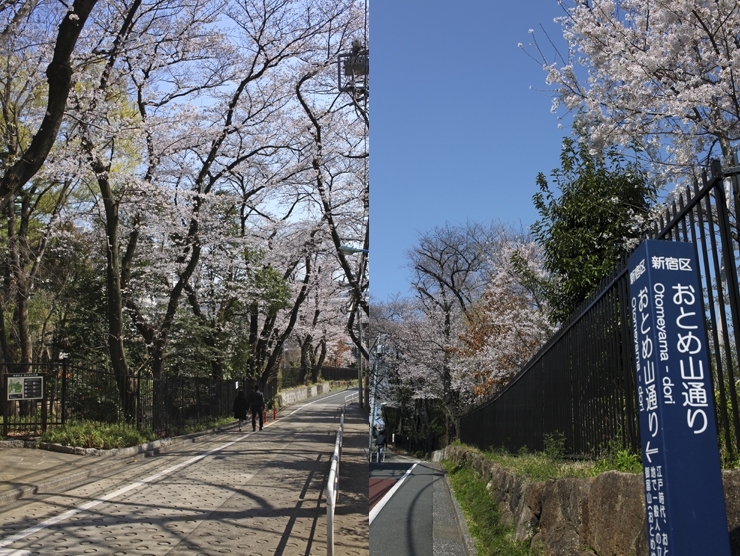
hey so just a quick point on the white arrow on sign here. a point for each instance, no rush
(649, 452)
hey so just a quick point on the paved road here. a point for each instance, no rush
(412, 512)
(257, 493)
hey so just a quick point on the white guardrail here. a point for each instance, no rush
(331, 488)
(355, 397)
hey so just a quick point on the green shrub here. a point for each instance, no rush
(554, 446)
(619, 460)
(104, 436)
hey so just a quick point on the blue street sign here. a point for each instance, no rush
(684, 498)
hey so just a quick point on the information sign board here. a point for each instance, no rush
(25, 387)
(684, 498)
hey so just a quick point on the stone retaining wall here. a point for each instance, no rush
(602, 516)
(294, 395)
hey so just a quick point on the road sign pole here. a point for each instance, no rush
(684, 497)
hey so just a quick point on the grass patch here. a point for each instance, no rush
(104, 436)
(551, 463)
(491, 536)
(481, 512)
(619, 460)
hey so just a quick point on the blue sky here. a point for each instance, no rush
(460, 121)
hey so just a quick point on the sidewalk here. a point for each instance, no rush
(423, 515)
(27, 471)
(352, 525)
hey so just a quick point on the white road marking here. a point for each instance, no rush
(388, 495)
(97, 501)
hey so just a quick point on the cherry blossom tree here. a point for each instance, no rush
(657, 76)
(336, 148)
(33, 35)
(441, 347)
(506, 326)
(410, 366)
(169, 58)
(451, 266)
(188, 150)
(321, 328)
(476, 319)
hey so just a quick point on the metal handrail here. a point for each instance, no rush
(331, 488)
(351, 398)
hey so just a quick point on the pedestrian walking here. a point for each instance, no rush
(380, 443)
(240, 408)
(257, 404)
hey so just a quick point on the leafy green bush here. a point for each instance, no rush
(104, 436)
(554, 446)
(619, 460)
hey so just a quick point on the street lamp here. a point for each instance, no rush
(353, 70)
(352, 250)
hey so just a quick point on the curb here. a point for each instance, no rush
(462, 525)
(148, 449)
(114, 458)
(467, 538)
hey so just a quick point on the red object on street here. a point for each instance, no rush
(264, 415)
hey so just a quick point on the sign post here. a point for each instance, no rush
(684, 498)
(26, 386)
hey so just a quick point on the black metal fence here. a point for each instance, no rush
(339, 373)
(581, 383)
(29, 415)
(291, 377)
(297, 376)
(172, 404)
(166, 405)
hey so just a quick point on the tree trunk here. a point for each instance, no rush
(319, 363)
(305, 360)
(161, 416)
(17, 252)
(59, 77)
(127, 386)
(6, 353)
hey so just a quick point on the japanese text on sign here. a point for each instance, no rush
(675, 403)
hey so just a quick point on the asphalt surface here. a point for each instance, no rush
(413, 511)
(230, 492)
(227, 492)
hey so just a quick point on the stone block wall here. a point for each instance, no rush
(294, 395)
(603, 515)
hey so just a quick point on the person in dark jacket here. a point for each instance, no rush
(257, 403)
(380, 443)
(240, 408)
